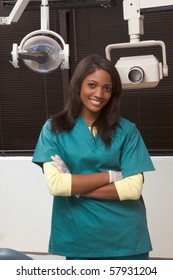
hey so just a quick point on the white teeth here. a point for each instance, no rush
(95, 102)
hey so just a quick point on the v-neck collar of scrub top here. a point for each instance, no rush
(93, 141)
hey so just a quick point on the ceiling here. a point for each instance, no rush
(63, 4)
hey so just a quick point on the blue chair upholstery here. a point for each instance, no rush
(11, 254)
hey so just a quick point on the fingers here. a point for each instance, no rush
(56, 158)
(59, 164)
(114, 176)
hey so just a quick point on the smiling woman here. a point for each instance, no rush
(109, 83)
(96, 91)
(93, 161)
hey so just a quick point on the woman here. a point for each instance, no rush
(84, 150)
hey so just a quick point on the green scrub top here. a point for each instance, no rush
(86, 227)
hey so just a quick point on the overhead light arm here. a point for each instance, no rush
(147, 4)
(16, 12)
(132, 13)
(44, 15)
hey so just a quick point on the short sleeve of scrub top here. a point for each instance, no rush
(47, 146)
(134, 155)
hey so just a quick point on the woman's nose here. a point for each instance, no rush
(98, 93)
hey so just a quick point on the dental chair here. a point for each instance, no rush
(11, 254)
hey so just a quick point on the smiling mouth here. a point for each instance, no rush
(96, 102)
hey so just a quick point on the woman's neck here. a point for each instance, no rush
(89, 118)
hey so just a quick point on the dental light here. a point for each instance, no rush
(139, 71)
(39, 50)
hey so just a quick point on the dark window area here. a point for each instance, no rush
(150, 109)
(27, 99)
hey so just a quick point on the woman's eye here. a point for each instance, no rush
(108, 89)
(91, 85)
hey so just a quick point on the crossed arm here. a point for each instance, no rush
(96, 185)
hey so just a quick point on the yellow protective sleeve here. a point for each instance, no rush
(59, 184)
(130, 188)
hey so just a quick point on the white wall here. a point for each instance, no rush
(25, 206)
(158, 195)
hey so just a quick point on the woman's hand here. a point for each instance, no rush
(59, 164)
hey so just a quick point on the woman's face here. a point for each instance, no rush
(96, 91)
